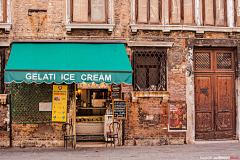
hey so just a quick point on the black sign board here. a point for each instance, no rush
(119, 109)
(116, 91)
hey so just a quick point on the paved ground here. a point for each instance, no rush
(188, 152)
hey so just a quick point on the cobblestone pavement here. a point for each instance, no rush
(187, 151)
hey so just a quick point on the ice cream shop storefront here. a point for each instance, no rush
(63, 88)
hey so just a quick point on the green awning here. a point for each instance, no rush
(68, 62)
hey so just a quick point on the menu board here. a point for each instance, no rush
(116, 91)
(119, 109)
(59, 103)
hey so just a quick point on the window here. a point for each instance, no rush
(148, 11)
(89, 11)
(3, 10)
(182, 12)
(214, 12)
(237, 13)
(150, 70)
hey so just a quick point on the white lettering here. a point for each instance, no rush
(39, 77)
(54, 77)
(65, 77)
(89, 77)
(101, 78)
(28, 76)
(45, 77)
(84, 79)
(95, 77)
(72, 77)
(107, 78)
(50, 76)
(34, 76)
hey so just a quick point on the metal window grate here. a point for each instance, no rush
(150, 70)
(224, 61)
(25, 100)
(202, 61)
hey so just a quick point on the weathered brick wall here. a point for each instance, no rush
(4, 126)
(4, 114)
(147, 123)
(4, 139)
(40, 135)
(50, 25)
(37, 24)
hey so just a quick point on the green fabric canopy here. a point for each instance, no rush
(68, 62)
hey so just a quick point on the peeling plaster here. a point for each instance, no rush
(190, 134)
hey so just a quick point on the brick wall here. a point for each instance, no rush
(147, 123)
(39, 135)
(4, 126)
(49, 23)
(148, 120)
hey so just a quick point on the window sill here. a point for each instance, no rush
(69, 27)
(6, 26)
(149, 44)
(151, 94)
(197, 29)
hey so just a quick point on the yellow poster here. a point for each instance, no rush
(59, 103)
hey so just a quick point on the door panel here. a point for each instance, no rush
(224, 108)
(204, 102)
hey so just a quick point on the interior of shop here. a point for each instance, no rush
(93, 113)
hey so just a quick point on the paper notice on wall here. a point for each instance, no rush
(59, 103)
(177, 116)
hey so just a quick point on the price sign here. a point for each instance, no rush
(119, 109)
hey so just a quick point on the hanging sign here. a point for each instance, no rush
(116, 91)
(119, 109)
(59, 103)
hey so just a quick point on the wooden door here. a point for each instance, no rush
(214, 95)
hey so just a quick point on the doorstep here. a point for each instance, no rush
(217, 141)
(92, 145)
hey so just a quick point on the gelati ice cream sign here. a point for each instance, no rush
(85, 77)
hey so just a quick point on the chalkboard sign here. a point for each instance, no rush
(119, 109)
(116, 91)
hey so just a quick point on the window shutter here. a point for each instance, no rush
(188, 11)
(98, 11)
(209, 16)
(142, 11)
(175, 11)
(80, 10)
(154, 11)
(1, 9)
(238, 12)
(220, 13)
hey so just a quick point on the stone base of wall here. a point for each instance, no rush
(37, 143)
(37, 135)
(4, 139)
(154, 142)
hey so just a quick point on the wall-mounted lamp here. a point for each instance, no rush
(3, 98)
